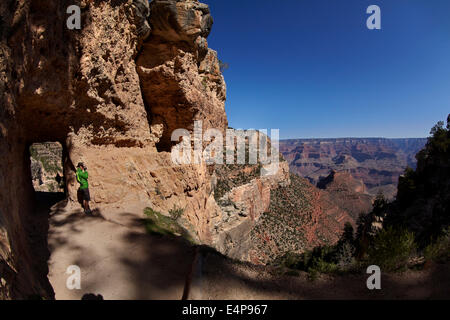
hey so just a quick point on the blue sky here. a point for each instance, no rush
(312, 68)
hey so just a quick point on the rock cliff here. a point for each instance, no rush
(111, 94)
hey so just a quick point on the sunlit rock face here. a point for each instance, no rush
(111, 94)
(180, 76)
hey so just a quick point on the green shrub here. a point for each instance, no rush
(323, 266)
(391, 249)
(176, 212)
(345, 257)
(345, 249)
(319, 260)
(313, 274)
(407, 187)
(323, 259)
(159, 224)
(380, 204)
(289, 260)
(205, 83)
(51, 188)
(439, 251)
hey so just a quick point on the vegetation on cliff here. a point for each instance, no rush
(278, 229)
(158, 224)
(423, 198)
(406, 233)
(230, 176)
(300, 217)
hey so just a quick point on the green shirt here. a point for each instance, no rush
(82, 178)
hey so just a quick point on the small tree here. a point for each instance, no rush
(348, 235)
(345, 248)
(380, 205)
(391, 248)
(407, 186)
(439, 142)
(175, 213)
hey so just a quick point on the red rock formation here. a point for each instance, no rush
(241, 208)
(377, 162)
(301, 217)
(347, 193)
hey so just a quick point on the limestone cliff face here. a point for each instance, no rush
(143, 102)
(111, 94)
(180, 76)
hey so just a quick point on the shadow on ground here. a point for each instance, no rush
(223, 279)
(116, 261)
(125, 262)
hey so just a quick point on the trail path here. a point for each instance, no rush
(117, 258)
(223, 279)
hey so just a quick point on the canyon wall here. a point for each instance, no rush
(111, 94)
(377, 162)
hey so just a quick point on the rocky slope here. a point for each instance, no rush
(243, 198)
(347, 193)
(301, 217)
(377, 162)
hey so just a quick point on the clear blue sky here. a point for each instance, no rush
(312, 69)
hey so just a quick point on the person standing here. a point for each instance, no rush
(82, 178)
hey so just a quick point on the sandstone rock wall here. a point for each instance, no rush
(180, 76)
(111, 94)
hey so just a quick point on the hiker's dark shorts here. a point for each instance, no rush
(85, 195)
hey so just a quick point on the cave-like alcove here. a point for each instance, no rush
(46, 165)
(46, 172)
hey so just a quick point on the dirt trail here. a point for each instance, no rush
(222, 279)
(117, 258)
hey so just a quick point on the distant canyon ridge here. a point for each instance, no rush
(377, 162)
